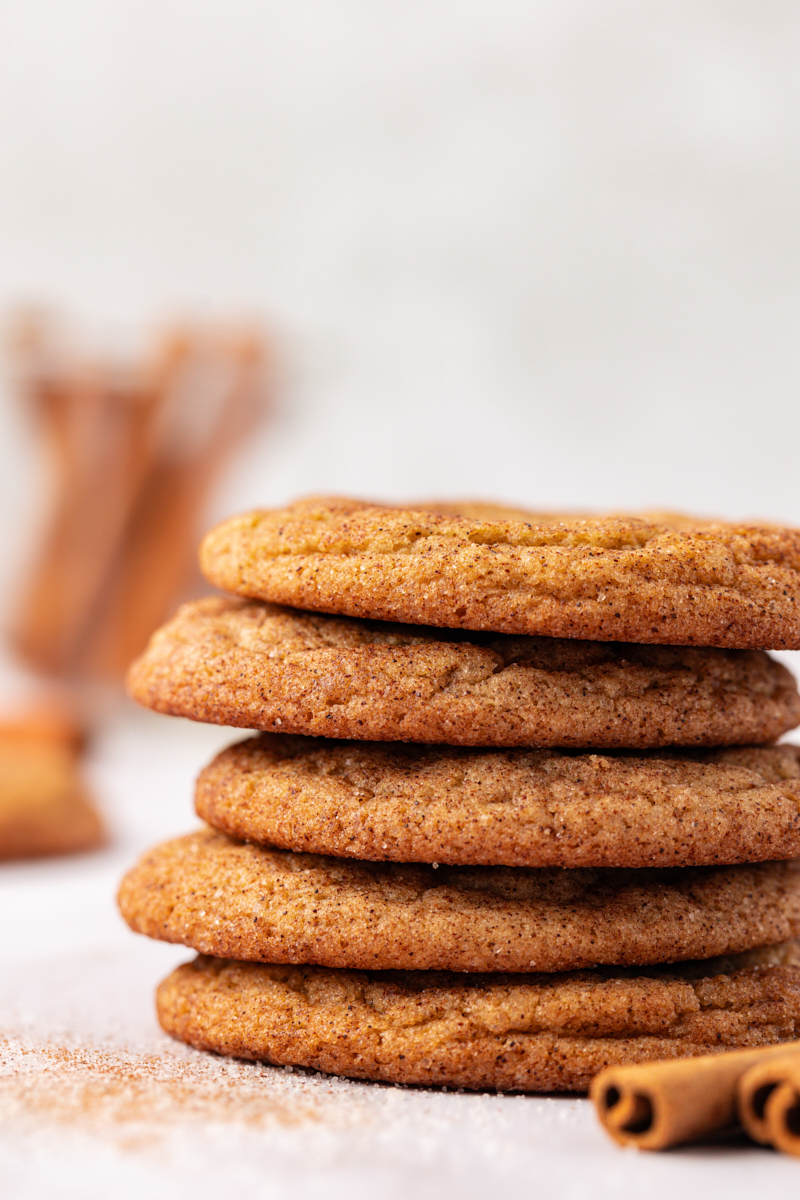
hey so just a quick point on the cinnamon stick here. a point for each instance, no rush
(769, 1101)
(657, 1105)
(135, 451)
(220, 393)
(100, 427)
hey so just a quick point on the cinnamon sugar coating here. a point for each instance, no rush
(526, 1033)
(663, 579)
(259, 666)
(525, 808)
(236, 900)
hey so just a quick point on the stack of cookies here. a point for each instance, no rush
(516, 813)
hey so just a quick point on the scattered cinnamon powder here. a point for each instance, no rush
(123, 1094)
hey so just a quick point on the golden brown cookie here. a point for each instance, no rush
(664, 579)
(44, 805)
(260, 666)
(533, 1033)
(236, 900)
(522, 808)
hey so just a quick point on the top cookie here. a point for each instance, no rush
(662, 579)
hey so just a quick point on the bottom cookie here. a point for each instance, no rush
(533, 1033)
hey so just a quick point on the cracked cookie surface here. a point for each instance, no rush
(664, 579)
(525, 808)
(526, 1033)
(261, 666)
(237, 900)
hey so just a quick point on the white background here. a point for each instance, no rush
(546, 252)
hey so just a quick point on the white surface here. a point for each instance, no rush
(96, 1101)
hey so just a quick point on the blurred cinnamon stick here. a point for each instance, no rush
(45, 806)
(134, 454)
(219, 397)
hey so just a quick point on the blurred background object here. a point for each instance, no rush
(133, 446)
(45, 807)
(135, 449)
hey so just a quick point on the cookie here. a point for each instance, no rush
(236, 900)
(260, 666)
(45, 808)
(534, 808)
(663, 579)
(524, 1033)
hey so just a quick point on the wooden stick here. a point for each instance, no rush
(656, 1105)
(768, 1098)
